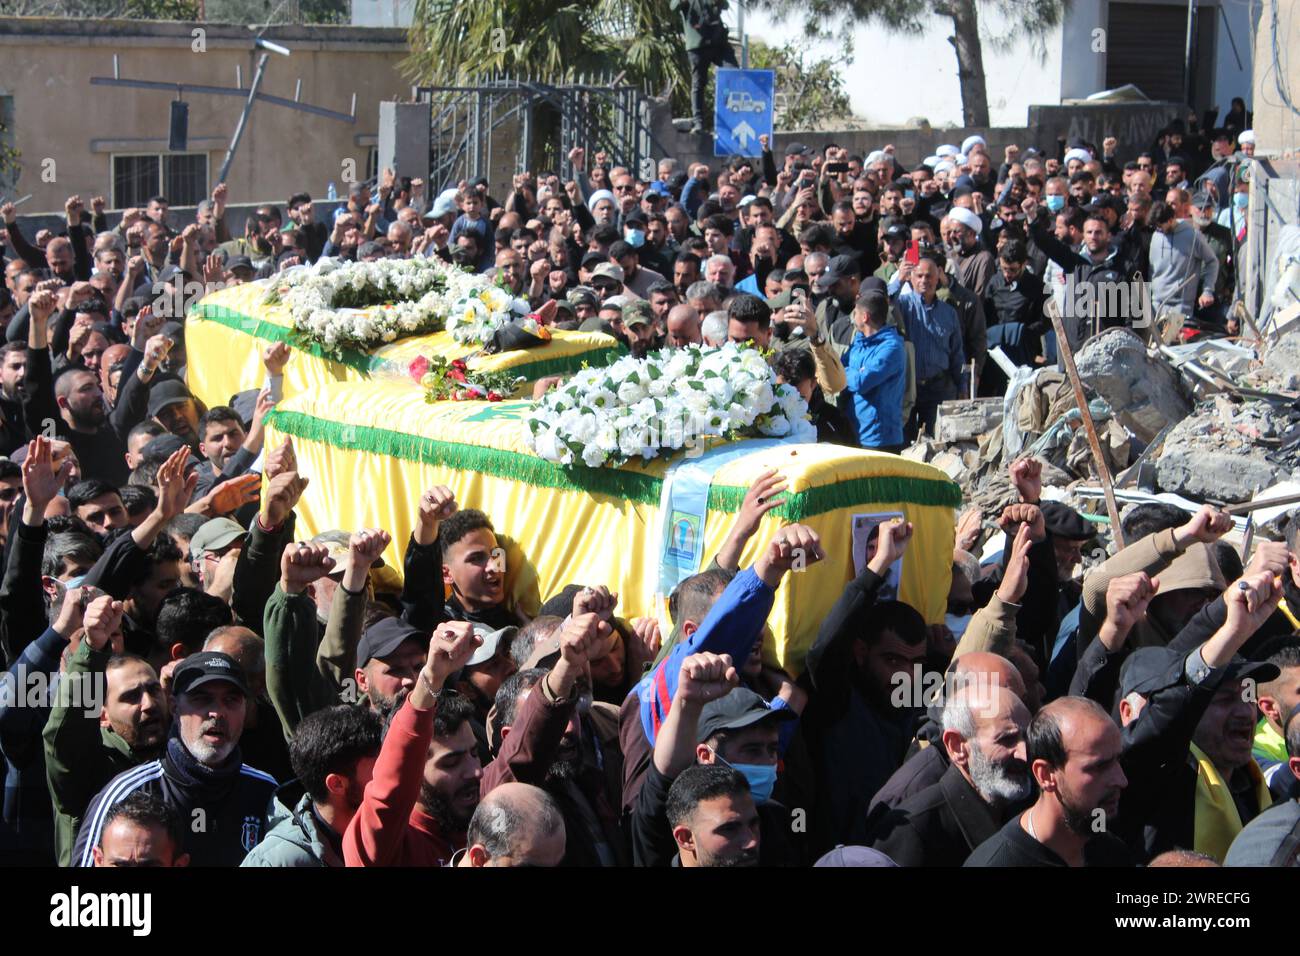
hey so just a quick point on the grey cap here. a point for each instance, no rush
(491, 642)
(215, 535)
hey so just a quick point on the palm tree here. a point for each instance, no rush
(453, 41)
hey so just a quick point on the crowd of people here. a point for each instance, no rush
(188, 682)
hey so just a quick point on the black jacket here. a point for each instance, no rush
(923, 768)
(22, 603)
(1016, 302)
(832, 427)
(855, 743)
(423, 602)
(940, 826)
(1157, 811)
(232, 802)
(652, 837)
(100, 453)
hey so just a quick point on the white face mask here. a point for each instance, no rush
(957, 624)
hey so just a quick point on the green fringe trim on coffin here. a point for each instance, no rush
(366, 364)
(846, 494)
(260, 328)
(496, 462)
(614, 482)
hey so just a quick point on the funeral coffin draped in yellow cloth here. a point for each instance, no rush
(371, 448)
(226, 332)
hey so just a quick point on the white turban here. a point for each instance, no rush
(597, 196)
(947, 149)
(1246, 136)
(966, 218)
(931, 161)
(970, 141)
(1082, 155)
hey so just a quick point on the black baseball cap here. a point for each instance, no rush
(1062, 521)
(1149, 669)
(386, 636)
(898, 230)
(239, 262)
(840, 267)
(205, 667)
(1239, 668)
(167, 392)
(739, 709)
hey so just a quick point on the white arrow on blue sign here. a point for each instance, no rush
(743, 111)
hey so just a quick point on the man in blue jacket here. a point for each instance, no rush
(875, 367)
(733, 624)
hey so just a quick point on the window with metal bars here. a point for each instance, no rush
(138, 177)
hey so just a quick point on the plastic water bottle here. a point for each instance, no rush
(331, 193)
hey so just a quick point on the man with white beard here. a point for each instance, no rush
(986, 783)
(201, 773)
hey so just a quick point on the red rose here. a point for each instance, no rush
(456, 375)
(493, 397)
(418, 368)
(459, 364)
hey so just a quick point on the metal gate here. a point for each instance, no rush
(530, 124)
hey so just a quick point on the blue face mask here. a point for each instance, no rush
(1055, 203)
(1241, 200)
(634, 237)
(761, 778)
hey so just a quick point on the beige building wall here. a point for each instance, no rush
(1277, 126)
(68, 130)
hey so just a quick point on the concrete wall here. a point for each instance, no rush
(59, 115)
(1277, 127)
(1133, 124)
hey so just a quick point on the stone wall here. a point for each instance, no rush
(1133, 124)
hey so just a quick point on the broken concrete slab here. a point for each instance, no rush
(1220, 451)
(1277, 523)
(1282, 362)
(1145, 391)
(967, 419)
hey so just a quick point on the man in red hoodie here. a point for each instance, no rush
(425, 787)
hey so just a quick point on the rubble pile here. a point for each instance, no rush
(1212, 420)
(1281, 368)
(1226, 452)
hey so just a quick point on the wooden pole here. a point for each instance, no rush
(1066, 355)
(1249, 506)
